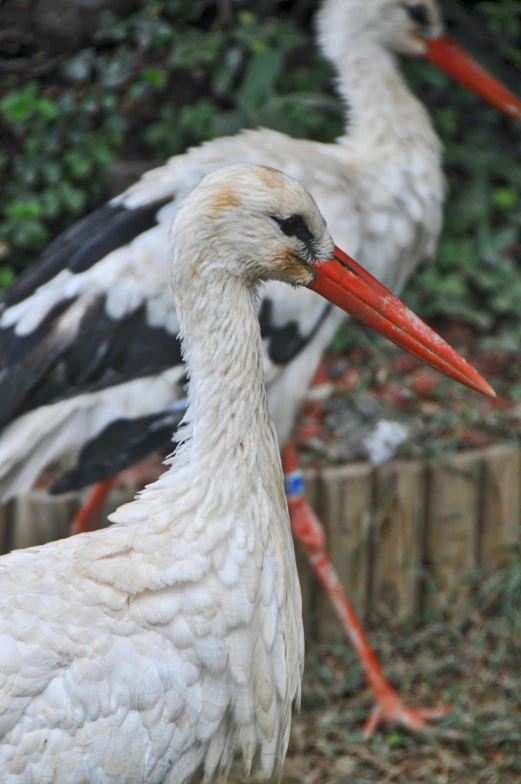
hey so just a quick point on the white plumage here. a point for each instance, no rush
(174, 638)
(380, 188)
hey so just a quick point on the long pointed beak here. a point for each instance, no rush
(450, 58)
(346, 284)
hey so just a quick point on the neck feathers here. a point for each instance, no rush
(228, 447)
(382, 111)
(227, 398)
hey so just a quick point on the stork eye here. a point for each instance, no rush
(418, 13)
(294, 226)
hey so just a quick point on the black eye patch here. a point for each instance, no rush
(294, 226)
(418, 14)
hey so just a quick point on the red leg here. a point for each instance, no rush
(87, 519)
(308, 530)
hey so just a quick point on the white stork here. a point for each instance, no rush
(167, 643)
(91, 368)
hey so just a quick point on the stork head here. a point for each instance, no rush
(241, 209)
(402, 26)
(252, 223)
(409, 27)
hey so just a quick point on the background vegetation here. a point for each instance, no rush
(87, 104)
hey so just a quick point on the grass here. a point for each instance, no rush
(471, 662)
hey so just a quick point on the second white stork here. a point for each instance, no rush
(91, 368)
(144, 652)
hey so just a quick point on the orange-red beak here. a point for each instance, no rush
(346, 284)
(450, 58)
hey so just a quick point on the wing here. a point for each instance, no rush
(95, 317)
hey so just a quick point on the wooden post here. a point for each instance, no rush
(346, 501)
(453, 509)
(501, 504)
(5, 526)
(39, 518)
(398, 540)
(117, 497)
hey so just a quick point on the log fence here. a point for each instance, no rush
(402, 536)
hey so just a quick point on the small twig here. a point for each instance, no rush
(225, 12)
(35, 66)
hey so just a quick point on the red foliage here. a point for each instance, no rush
(425, 382)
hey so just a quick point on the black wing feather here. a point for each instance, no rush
(120, 445)
(105, 352)
(84, 244)
(285, 343)
(43, 367)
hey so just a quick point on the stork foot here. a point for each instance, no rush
(390, 709)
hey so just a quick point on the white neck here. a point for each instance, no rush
(382, 111)
(230, 434)
(392, 146)
(228, 447)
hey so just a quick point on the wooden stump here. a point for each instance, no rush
(39, 518)
(398, 540)
(452, 518)
(6, 519)
(346, 503)
(501, 504)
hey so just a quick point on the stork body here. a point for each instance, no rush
(172, 640)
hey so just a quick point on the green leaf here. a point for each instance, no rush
(24, 209)
(259, 79)
(154, 76)
(77, 164)
(73, 199)
(6, 274)
(51, 172)
(246, 19)
(47, 109)
(50, 203)
(395, 739)
(79, 68)
(506, 198)
(30, 234)
(18, 105)
(101, 151)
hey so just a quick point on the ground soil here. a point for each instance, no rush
(472, 663)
